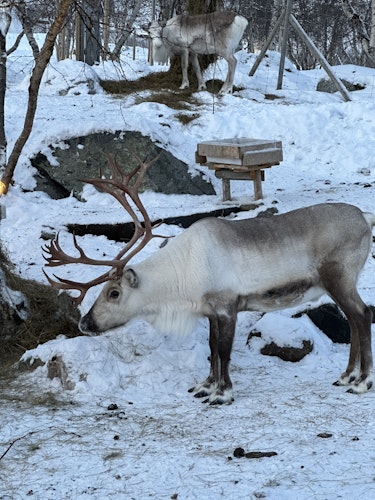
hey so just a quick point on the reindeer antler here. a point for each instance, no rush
(128, 196)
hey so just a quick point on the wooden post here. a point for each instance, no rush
(284, 43)
(80, 51)
(226, 189)
(105, 30)
(255, 175)
(258, 193)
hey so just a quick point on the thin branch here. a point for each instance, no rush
(31, 433)
(16, 43)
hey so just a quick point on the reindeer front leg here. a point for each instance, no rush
(218, 385)
(184, 66)
(197, 70)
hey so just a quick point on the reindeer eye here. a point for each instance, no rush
(113, 294)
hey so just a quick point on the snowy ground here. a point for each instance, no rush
(160, 442)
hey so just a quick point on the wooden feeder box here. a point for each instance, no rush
(240, 159)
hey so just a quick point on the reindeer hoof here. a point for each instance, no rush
(348, 378)
(224, 91)
(203, 389)
(220, 398)
(216, 402)
(219, 401)
(201, 394)
(361, 386)
(351, 391)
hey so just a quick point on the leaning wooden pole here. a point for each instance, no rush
(323, 61)
(267, 45)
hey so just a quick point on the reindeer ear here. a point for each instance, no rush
(131, 276)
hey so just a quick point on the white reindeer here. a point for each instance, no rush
(186, 36)
(217, 268)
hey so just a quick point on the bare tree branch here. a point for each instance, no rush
(360, 26)
(35, 80)
(26, 25)
(16, 43)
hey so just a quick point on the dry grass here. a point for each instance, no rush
(161, 84)
(163, 88)
(49, 315)
(151, 82)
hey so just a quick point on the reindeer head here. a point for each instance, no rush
(119, 279)
(117, 303)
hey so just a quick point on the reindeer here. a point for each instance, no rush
(218, 268)
(216, 33)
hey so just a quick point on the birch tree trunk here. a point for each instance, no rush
(276, 13)
(368, 43)
(5, 20)
(128, 28)
(36, 77)
(372, 33)
(105, 30)
(26, 25)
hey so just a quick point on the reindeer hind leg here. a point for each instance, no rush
(358, 373)
(197, 70)
(227, 87)
(343, 291)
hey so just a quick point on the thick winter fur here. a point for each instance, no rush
(217, 33)
(217, 268)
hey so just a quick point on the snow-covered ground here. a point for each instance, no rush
(160, 442)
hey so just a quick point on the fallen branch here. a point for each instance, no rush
(31, 433)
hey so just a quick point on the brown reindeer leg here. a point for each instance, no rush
(223, 393)
(364, 381)
(207, 387)
(359, 369)
(197, 70)
(218, 385)
(358, 373)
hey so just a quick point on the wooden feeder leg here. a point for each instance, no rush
(258, 194)
(226, 190)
